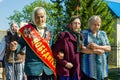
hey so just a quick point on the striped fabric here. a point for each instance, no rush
(18, 71)
(93, 65)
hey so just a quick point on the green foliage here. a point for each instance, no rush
(92, 7)
(25, 14)
(58, 14)
(55, 17)
(59, 19)
(17, 17)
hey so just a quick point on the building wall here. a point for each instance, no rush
(112, 59)
(2, 33)
(114, 55)
(118, 42)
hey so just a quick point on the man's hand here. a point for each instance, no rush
(13, 45)
(69, 65)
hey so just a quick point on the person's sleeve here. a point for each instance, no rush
(59, 47)
(82, 39)
(2, 45)
(106, 39)
(85, 37)
(21, 45)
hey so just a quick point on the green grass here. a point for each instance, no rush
(114, 73)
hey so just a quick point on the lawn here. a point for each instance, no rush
(114, 73)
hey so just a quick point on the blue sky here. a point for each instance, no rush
(7, 7)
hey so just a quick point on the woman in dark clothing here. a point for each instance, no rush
(36, 38)
(67, 51)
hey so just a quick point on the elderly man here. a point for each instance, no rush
(39, 63)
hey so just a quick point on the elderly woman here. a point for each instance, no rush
(95, 66)
(13, 64)
(67, 51)
(36, 37)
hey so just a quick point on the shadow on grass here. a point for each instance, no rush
(114, 74)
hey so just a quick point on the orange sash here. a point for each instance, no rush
(38, 45)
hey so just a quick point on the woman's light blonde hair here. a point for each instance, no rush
(93, 18)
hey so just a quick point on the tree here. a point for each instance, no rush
(55, 17)
(58, 14)
(25, 14)
(60, 18)
(86, 8)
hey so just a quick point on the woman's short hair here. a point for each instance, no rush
(93, 18)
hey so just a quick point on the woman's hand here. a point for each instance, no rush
(60, 55)
(92, 46)
(98, 51)
(13, 45)
(69, 65)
